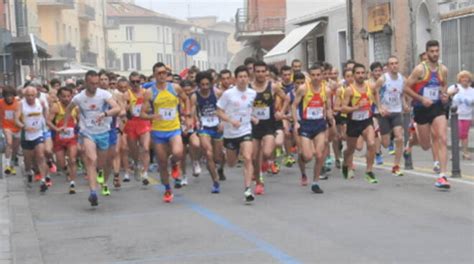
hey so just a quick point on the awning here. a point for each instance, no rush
(292, 39)
(239, 57)
(22, 47)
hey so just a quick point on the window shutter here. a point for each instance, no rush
(126, 63)
(139, 62)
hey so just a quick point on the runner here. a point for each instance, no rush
(234, 108)
(161, 107)
(31, 117)
(390, 101)
(225, 80)
(428, 89)
(210, 133)
(65, 137)
(314, 108)
(137, 129)
(123, 86)
(357, 104)
(289, 141)
(376, 71)
(94, 120)
(249, 63)
(8, 106)
(265, 117)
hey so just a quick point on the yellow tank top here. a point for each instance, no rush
(341, 97)
(357, 96)
(165, 103)
(136, 103)
(62, 112)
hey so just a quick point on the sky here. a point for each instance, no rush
(223, 9)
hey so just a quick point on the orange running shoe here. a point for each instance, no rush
(168, 196)
(175, 171)
(38, 177)
(259, 189)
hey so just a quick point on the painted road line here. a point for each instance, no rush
(236, 230)
(426, 175)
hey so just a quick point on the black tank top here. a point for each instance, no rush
(264, 105)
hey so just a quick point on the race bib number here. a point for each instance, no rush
(313, 113)
(431, 93)
(262, 113)
(360, 115)
(136, 110)
(210, 121)
(33, 122)
(9, 115)
(68, 133)
(93, 122)
(167, 114)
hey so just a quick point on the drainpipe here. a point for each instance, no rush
(412, 35)
(350, 27)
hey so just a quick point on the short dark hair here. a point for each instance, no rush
(193, 69)
(299, 76)
(91, 73)
(432, 43)
(273, 69)
(64, 89)
(239, 69)
(349, 62)
(102, 72)
(375, 65)
(260, 63)
(295, 61)
(204, 75)
(142, 76)
(357, 65)
(346, 70)
(8, 91)
(327, 66)
(420, 57)
(249, 60)
(54, 82)
(134, 74)
(185, 83)
(316, 66)
(80, 82)
(71, 86)
(225, 71)
(158, 65)
(285, 68)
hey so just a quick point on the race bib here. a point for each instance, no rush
(68, 133)
(92, 122)
(262, 113)
(431, 92)
(33, 122)
(210, 121)
(313, 113)
(167, 114)
(136, 110)
(360, 115)
(9, 115)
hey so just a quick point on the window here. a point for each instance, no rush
(320, 48)
(130, 33)
(342, 48)
(159, 57)
(159, 34)
(167, 30)
(168, 59)
(132, 61)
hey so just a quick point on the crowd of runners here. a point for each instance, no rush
(113, 127)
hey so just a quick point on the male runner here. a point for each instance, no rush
(8, 106)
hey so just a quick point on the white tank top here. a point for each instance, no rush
(33, 118)
(391, 93)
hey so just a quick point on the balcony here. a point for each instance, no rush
(63, 52)
(86, 12)
(62, 4)
(89, 58)
(258, 25)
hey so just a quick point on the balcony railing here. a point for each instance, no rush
(86, 12)
(65, 4)
(63, 51)
(89, 58)
(258, 23)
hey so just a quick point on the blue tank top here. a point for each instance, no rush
(206, 108)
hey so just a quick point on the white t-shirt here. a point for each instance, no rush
(90, 108)
(238, 105)
(464, 100)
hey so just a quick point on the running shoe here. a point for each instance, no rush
(304, 180)
(221, 174)
(323, 176)
(168, 196)
(177, 183)
(328, 162)
(117, 182)
(275, 167)
(48, 181)
(442, 183)
(350, 174)
(391, 149)
(406, 155)
(80, 165)
(38, 177)
(289, 161)
(215, 188)
(93, 199)
(294, 150)
(43, 187)
(29, 178)
(175, 171)
(52, 167)
(436, 167)
(100, 177)
(8, 170)
(315, 188)
(12, 170)
(345, 171)
(72, 188)
(259, 189)
(378, 158)
(397, 171)
(105, 190)
(370, 177)
(278, 152)
(338, 163)
(126, 178)
(184, 181)
(196, 169)
(248, 195)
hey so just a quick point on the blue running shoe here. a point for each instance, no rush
(216, 188)
(378, 159)
(93, 199)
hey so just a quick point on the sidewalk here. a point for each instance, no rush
(5, 248)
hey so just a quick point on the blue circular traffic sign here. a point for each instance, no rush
(191, 47)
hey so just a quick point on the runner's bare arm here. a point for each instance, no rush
(18, 121)
(52, 114)
(345, 103)
(187, 104)
(146, 107)
(300, 92)
(193, 103)
(280, 93)
(376, 88)
(338, 102)
(411, 81)
(68, 112)
(115, 108)
(328, 105)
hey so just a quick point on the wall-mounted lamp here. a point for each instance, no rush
(387, 29)
(364, 34)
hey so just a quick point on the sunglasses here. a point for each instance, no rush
(162, 72)
(135, 81)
